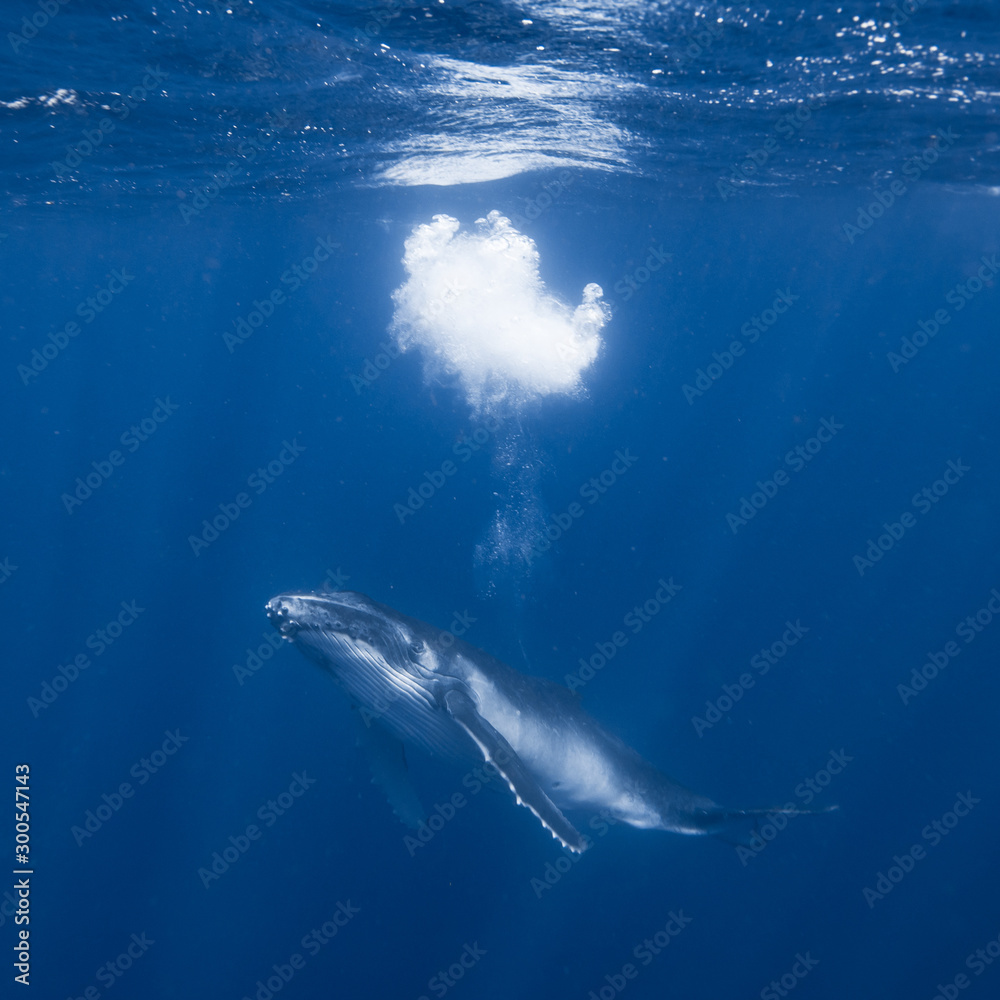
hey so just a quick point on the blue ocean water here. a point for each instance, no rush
(792, 212)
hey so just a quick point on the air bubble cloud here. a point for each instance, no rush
(476, 306)
(478, 310)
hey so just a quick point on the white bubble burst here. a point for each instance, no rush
(477, 307)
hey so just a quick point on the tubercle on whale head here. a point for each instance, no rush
(336, 611)
(280, 617)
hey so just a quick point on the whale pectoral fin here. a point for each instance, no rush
(498, 752)
(387, 761)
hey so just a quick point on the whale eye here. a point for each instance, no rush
(417, 648)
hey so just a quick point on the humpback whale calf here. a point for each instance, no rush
(428, 688)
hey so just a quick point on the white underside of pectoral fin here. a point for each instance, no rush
(498, 752)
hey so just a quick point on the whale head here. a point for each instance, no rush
(351, 629)
(396, 668)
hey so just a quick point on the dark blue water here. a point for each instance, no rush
(822, 497)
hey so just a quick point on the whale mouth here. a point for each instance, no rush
(292, 614)
(280, 616)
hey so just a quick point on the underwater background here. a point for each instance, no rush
(792, 211)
